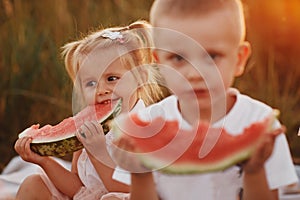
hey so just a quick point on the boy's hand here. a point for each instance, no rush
(124, 157)
(262, 152)
(22, 147)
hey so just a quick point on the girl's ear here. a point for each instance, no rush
(144, 73)
(244, 53)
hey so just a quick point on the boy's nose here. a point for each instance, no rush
(191, 73)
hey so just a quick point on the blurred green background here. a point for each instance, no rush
(34, 87)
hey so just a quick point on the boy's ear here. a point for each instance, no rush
(244, 53)
(156, 59)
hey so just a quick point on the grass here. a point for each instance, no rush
(34, 87)
(273, 76)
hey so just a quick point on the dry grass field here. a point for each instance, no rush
(34, 87)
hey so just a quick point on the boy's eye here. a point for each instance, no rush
(113, 78)
(214, 56)
(177, 58)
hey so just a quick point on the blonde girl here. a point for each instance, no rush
(106, 65)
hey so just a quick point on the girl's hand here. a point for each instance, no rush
(124, 157)
(93, 139)
(262, 152)
(22, 147)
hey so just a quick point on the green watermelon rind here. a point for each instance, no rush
(197, 168)
(154, 163)
(69, 145)
(59, 148)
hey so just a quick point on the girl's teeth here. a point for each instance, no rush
(106, 102)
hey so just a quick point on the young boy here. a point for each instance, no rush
(183, 31)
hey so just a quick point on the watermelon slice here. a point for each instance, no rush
(169, 144)
(60, 140)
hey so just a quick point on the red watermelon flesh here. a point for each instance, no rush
(60, 139)
(172, 149)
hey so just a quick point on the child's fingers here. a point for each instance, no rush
(124, 144)
(22, 147)
(278, 131)
(21, 144)
(86, 130)
(263, 151)
(83, 133)
(121, 148)
(27, 145)
(89, 129)
(95, 127)
(269, 138)
(80, 134)
(126, 158)
(265, 147)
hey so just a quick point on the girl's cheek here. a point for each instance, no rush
(89, 98)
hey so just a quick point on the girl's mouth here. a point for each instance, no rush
(109, 101)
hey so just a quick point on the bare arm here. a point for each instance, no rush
(143, 187)
(105, 172)
(255, 180)
(256, 187)
(142, 183)
(94, 141)
(65, 181)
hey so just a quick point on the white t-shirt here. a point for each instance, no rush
(226, 184)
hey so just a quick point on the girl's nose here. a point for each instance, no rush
(102, 89)
(103, 92)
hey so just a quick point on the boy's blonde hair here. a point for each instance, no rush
(136, 38)
(195, 8)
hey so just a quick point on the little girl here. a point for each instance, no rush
(104, 66)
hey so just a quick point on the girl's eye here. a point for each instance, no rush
(91, 84)
(112, 78)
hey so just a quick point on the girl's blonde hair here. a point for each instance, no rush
(136, 38)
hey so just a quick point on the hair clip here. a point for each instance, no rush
(113, 35)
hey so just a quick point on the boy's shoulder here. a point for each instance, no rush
(244, 112)
(248, 108)
(244, 101)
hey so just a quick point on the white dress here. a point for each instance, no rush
(93, 186)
